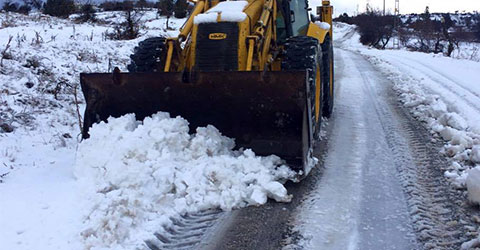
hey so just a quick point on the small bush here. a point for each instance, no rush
(477, 27)
(87, 13)
(166, 8)
(375, 30)
(24, 9)
(130, 29)
(14, 7)
(9, 7)
(59, 8)
(344, 18)
(117, 6)
(142, 4)
(180, 8)
(36, 4)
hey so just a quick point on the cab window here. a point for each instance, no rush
(300, 19)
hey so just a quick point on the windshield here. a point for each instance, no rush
(300, 20)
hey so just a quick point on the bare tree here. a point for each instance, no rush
(375, 29)
(166, 9)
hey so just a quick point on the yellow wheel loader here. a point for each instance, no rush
(261, 71)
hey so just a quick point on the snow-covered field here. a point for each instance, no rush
(443, 93)
(115, 189)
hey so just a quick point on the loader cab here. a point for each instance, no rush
(292, 19)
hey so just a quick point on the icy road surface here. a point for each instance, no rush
(380, 183)
(359, 203)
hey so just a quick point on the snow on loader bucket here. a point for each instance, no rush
(264, 111)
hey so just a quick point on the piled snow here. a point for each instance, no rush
(229, 11)
(472, 244)
(138, 175)
(323, 25)
(473, 185)
(475, 155)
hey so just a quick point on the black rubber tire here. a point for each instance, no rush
(148, 55)
(304, 53)
(328, 96)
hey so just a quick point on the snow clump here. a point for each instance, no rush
(475, 156)
(323, 25)
(137, 175)
(229, 11)
(473, 185)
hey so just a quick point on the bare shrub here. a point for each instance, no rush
(8, 22)
(36, 4)
(87, 13)
(7, 128)
(5, 54)
(16, 7)
(344, 18)
(143, 4)
(38, 39)
(375, 30)
(2, 176)
(77, 108)
(59, 8)
(476, 27)
(88, 56)
(20, 39)
(165, 8)
(116, 6)
(32, 62)
(434, 35)
(180, 8)
(129, 29)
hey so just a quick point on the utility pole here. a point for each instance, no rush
(396, 25)
(397, 7)
(384, 7)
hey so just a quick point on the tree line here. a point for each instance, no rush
(426, 32)
(64, 8)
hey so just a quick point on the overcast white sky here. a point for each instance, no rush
(406, 6)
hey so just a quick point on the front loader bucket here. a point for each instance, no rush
(264, 111)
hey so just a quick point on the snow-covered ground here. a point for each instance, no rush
(442, 92)
(115, 189)
(58, 193)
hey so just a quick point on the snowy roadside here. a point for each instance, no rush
(444, 94)
(39, 205)
(113, 190)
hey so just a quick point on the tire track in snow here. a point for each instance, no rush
(186, 232)
(359, 202)
(436, 209)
